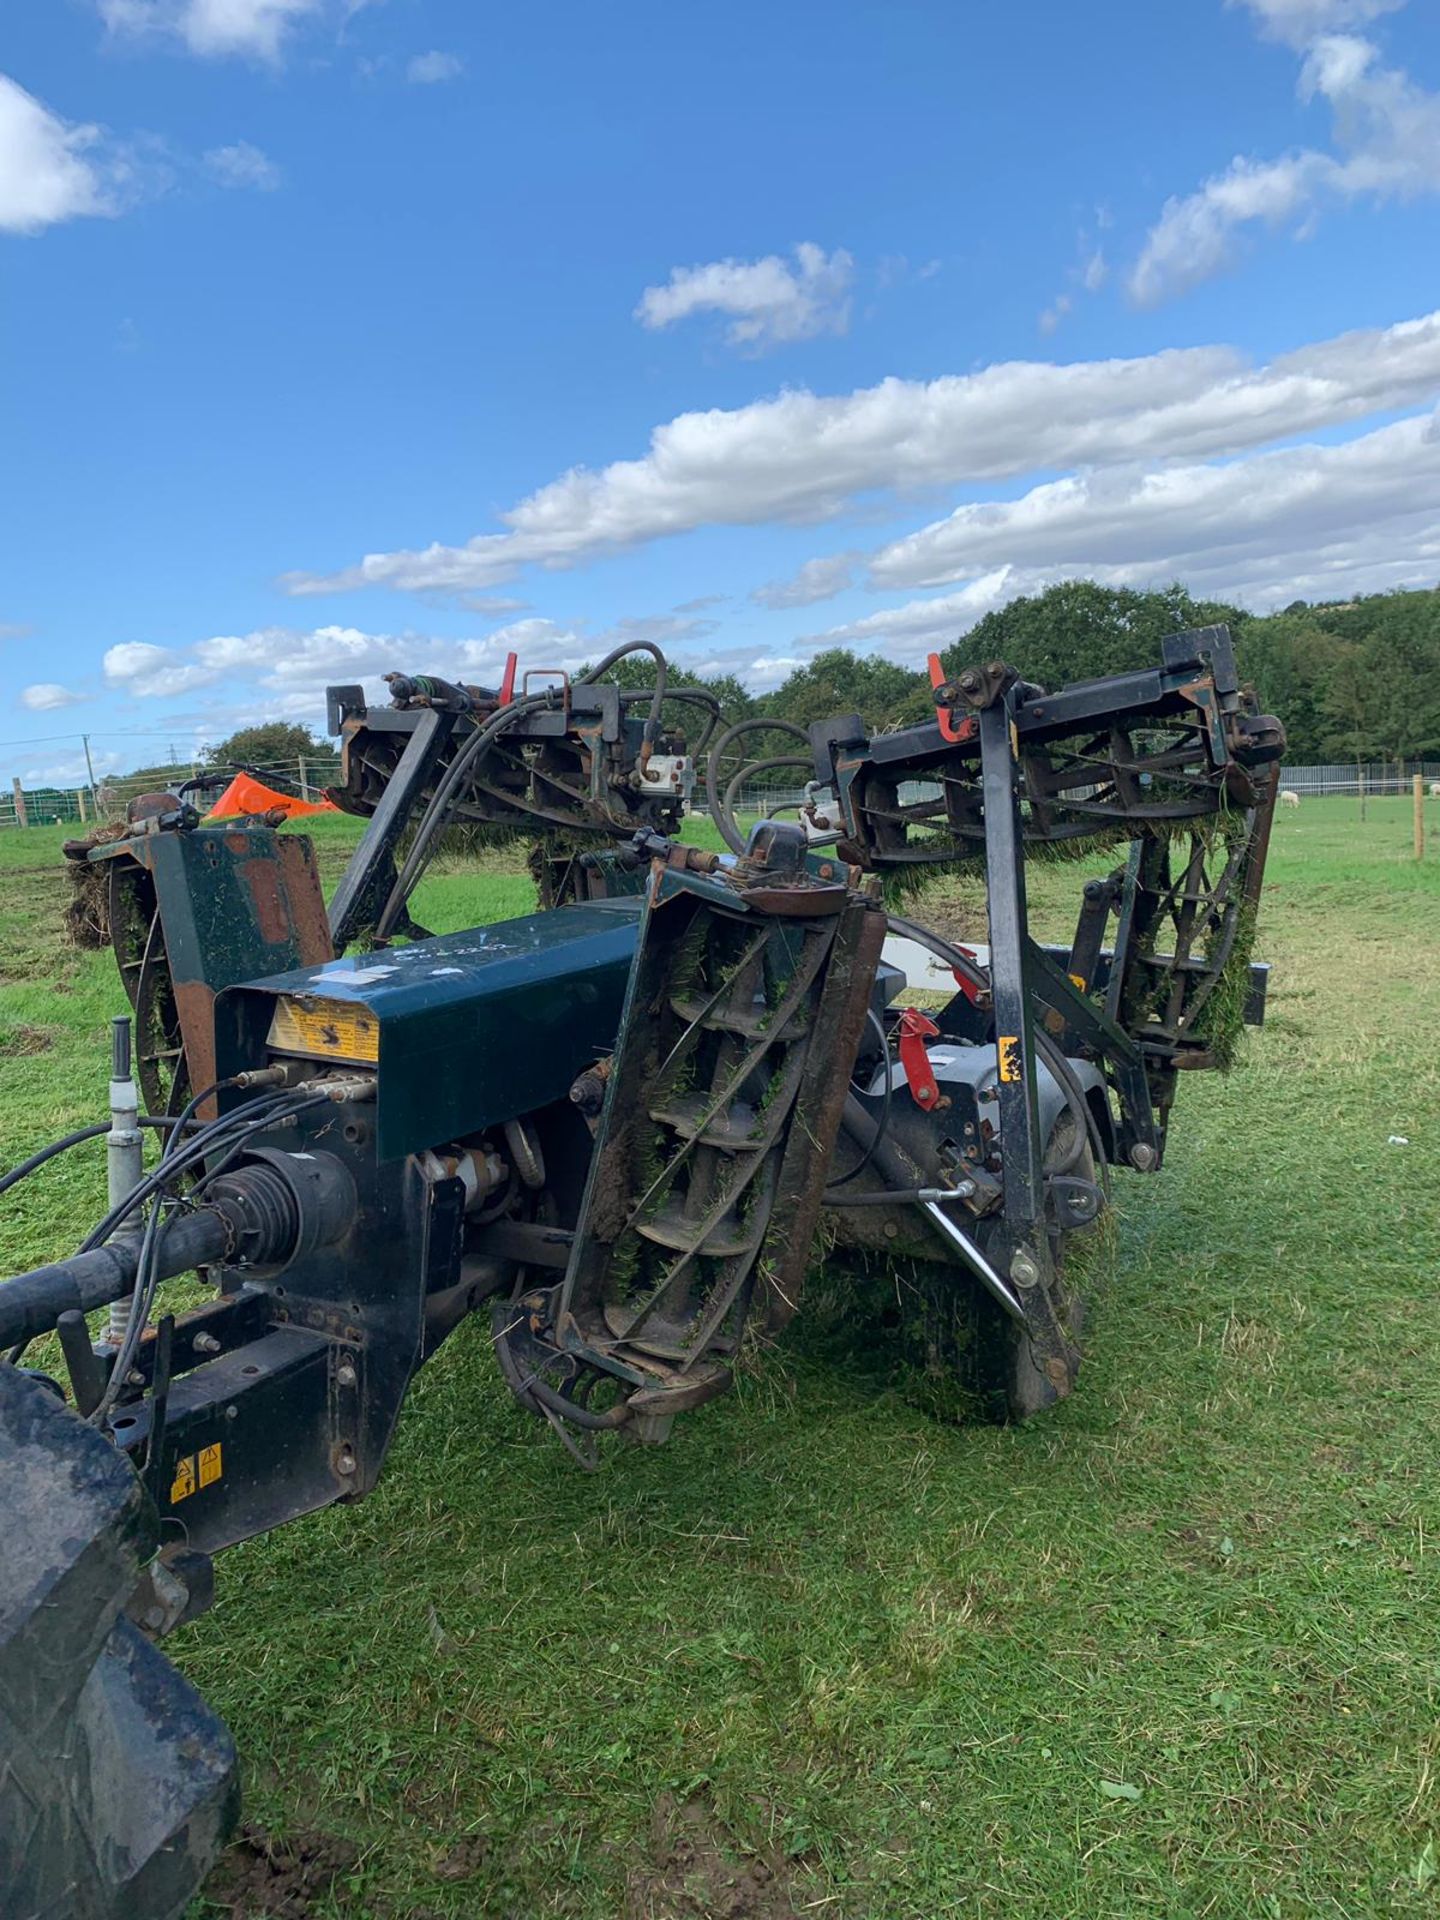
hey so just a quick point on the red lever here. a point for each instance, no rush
(968, 727)
(966, 985)
(507, 683)
(915, 1029)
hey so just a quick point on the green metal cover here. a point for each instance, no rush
(475, 1027)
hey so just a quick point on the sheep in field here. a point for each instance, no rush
(1435, 789)
(1289, 799)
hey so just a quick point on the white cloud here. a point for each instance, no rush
(1299, 22)
(1386, 140)
(770, 301)
(50, 169)
(1055, 313)
(47, 696)
(211, 28)
(282, 672)
(428, 69)
(816, 580)
(15, 630)
(919, 627)
(69, 772)
(1293, 523)
(769, 670)
(151, 672)
(806, 457)
(242, 165)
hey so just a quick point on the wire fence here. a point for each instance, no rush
(1384, 777)
(306, 776)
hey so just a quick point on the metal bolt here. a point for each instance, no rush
(205, 1343)
(1024, 1271)
(346, 1374)
(345, 1460)
(1143, 1157)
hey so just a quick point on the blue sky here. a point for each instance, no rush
(344, 337)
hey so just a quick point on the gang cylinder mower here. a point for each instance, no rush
(616, 1130)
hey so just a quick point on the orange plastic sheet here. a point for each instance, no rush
(247, 795)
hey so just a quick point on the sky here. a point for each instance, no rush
(342, 336)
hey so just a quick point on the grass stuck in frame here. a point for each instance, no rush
(1172, 1649)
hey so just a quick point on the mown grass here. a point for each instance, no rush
(1172, 1649)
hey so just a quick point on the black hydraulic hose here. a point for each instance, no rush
(662, 670)
(232, 1130)
(21, 1172)
(532, 1388)
(438, 809)
(729, 832)
(748, 772)
(697, 696)
(895, 1167)
(564, 1409)
(883, 1121)
(104, 1269)
(251, 1117)
(433, 820)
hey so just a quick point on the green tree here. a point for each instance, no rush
(838, 681)
(275, 743)
(1080, 631)
(1294, 664)
(1396, 685)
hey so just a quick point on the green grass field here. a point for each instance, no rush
(1173, 1649)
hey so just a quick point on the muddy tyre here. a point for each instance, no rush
(117, 1783)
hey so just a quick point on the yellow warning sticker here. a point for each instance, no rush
(183, 1485)
(332, 1029)
(1009, 1054)
(210, 1468)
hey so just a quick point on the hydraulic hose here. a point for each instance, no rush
(164, 1121)
(662, 669)
(882, 1124)
(437, 811)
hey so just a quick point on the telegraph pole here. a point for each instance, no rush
(90, 770)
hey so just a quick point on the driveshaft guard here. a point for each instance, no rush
(117, 1783)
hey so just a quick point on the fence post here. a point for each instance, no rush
(1419, 792)
(80, 796)
(22, 818)
(304, 783)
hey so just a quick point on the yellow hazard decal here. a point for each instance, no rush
(331, 1029)
(1078, 980)
(196, 1470)
(1009, 1052)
